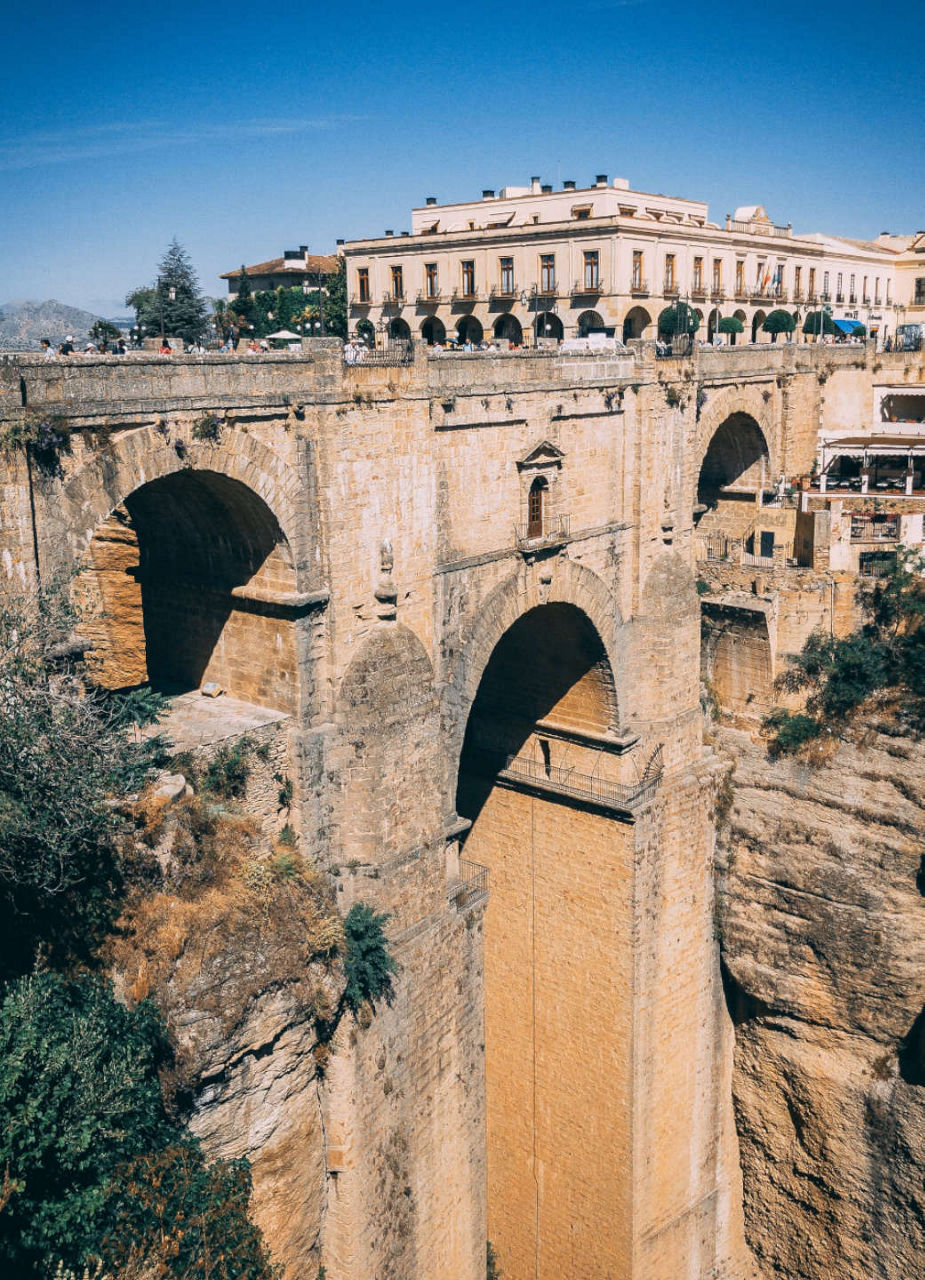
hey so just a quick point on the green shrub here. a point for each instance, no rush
(887, 652)
(101, 1171)
(189, 1217)
(65, 757)
(79, 1094)
(367, 963)
(227, 772)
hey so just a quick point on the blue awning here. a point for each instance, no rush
(847, 326)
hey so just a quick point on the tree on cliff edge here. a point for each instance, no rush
(175, 302)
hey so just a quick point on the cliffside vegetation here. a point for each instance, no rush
(884, 656)
(125, 894)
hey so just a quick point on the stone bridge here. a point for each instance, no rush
(465, 586)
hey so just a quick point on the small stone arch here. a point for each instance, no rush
(469, 329)
(399, 330)
(758, 320)
(752, 402)
(713, 323)
(588, 321)
(386, 708)
(433, 330)
(507, 328)
(366, 330)
(636, 323)
(548, 325)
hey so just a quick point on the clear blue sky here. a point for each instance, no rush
(247, 129)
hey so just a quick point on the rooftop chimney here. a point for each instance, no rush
(431, 200)
(535, 185)
(601, 180)
(406, 233)
(303, 249)
(487, 193)
(340, 242)
(568, 185)
(390, 233)
(547, 188)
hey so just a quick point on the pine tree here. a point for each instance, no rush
(175, 304)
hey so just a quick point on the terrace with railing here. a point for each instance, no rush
(589, 787)
(472, 886)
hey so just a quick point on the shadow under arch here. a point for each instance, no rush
(737, 458)
(549, 669)
(187, 580)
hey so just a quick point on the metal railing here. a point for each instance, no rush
(587, 786)
(584, 286)
(757, 562)
(425, 296)
(466, 295)
(472, 886)
(639, 287)
(359, 300)
(394, 356)
(874, 528)
(715, 546)
(549, 530)
(502, 291)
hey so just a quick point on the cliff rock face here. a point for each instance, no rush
(258, 1097)
(821, 915)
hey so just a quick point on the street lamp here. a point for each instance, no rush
(172, 296)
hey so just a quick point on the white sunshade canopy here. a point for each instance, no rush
(285, 335)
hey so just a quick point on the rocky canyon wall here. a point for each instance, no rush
(821, 914)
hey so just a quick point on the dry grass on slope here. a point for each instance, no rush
(217, 917)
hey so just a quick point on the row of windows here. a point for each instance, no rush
(768, 281)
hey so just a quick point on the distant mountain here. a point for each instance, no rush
(24, 324)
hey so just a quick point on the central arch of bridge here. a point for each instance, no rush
(188, 580)
(541, 780)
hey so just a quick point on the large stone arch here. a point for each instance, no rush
(561, 581)
(89, 496)
(195, 563)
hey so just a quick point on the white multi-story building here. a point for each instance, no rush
(532, 263)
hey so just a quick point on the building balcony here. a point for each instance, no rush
(698, 290)
(426, 296)
(812, 295)
(393, 301)
(587, 287)
(718, 293)
(545, 290)
(839, 297)
(670, 289)
(359, 300)
(852, 300)
(465, 295)
(741, 293)
(798, 295)
(639, 288)
(865, 300)
(549, 531)
(503, 293)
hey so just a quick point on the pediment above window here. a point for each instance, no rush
(543, 455)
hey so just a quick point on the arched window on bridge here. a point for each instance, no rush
(536, 507)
